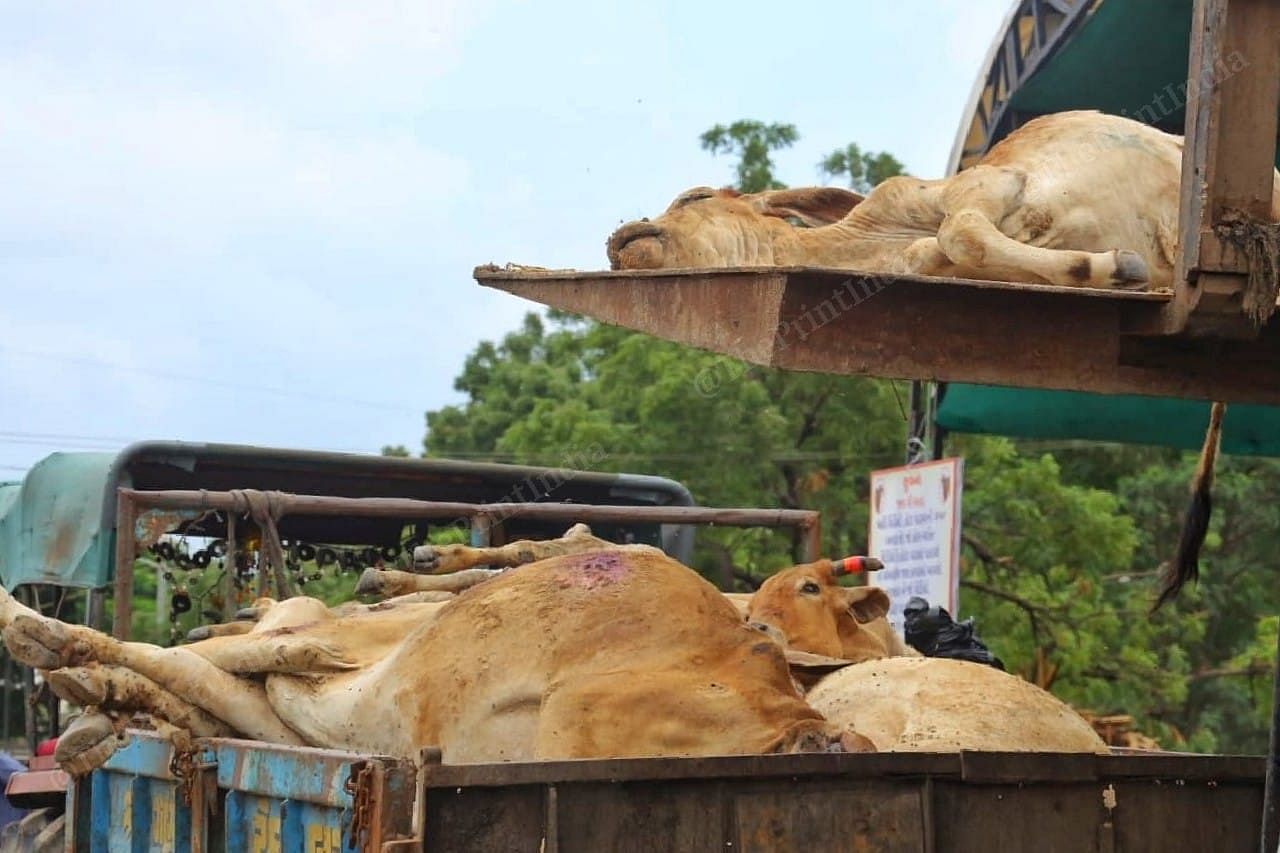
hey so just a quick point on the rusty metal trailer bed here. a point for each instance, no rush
(242, 796)
(233, 795)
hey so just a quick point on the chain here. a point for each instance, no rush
(360, 786)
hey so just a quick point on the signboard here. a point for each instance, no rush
(915, 531)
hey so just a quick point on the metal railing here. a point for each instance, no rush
(482, 518)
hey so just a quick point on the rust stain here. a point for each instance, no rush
(60, 545)
(154, 523)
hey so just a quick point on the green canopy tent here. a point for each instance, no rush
(1127, 57)
(1030, 413)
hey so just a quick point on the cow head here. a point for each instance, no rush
(704, 227)
(805, 609)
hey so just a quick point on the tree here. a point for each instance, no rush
(863, 169)
(640, 404)
(751, 141)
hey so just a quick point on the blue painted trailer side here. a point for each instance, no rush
(230, 795)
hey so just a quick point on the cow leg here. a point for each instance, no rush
(88, 742)
(44, 643)
(352, 608)
(48, 644)
(241, 703)
(95, 735)
(925, 257)
(442, 559)
(391, 583)
(979, 198)
(266, 614)
(114, 688)
(225, 629)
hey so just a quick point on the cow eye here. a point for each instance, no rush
(810, 588)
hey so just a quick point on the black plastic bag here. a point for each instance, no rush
(932, 632)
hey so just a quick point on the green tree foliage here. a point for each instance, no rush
(751, 142)
(1225, 627)
(862, 169)
(582, 392)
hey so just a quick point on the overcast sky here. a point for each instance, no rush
(256, 222)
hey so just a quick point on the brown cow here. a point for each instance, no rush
(847, 624)
(267, 613)
(894, 696)
(552, 660)
(805, 608)
(920, 704)
(1074, 199)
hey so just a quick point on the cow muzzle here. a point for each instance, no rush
(635, 246)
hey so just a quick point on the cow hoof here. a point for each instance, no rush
(439, 559)
(854, 742)
(79, 685)
(86, 744)
(248, 614)
(805, 737)
(36, 642)
(370, 582)
(29, 653)
(426, 559)
(203, 632)
(50, 633)
(1131, 270)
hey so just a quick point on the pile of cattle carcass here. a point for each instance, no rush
(578, 648)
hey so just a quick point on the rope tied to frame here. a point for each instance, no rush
(1259, 242)
(266, 508)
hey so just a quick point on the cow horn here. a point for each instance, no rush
(854, 565)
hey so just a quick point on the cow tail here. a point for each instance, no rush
(1186, 565)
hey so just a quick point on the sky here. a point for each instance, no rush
(257, 222)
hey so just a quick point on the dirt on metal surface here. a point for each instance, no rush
(904, 801)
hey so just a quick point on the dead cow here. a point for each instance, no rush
(1072, 199)
(608, 654)
(891, 694)
(904, 701)
(904, 704)
(805, 608)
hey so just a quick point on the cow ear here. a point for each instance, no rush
(814, 206)
(866, 603)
